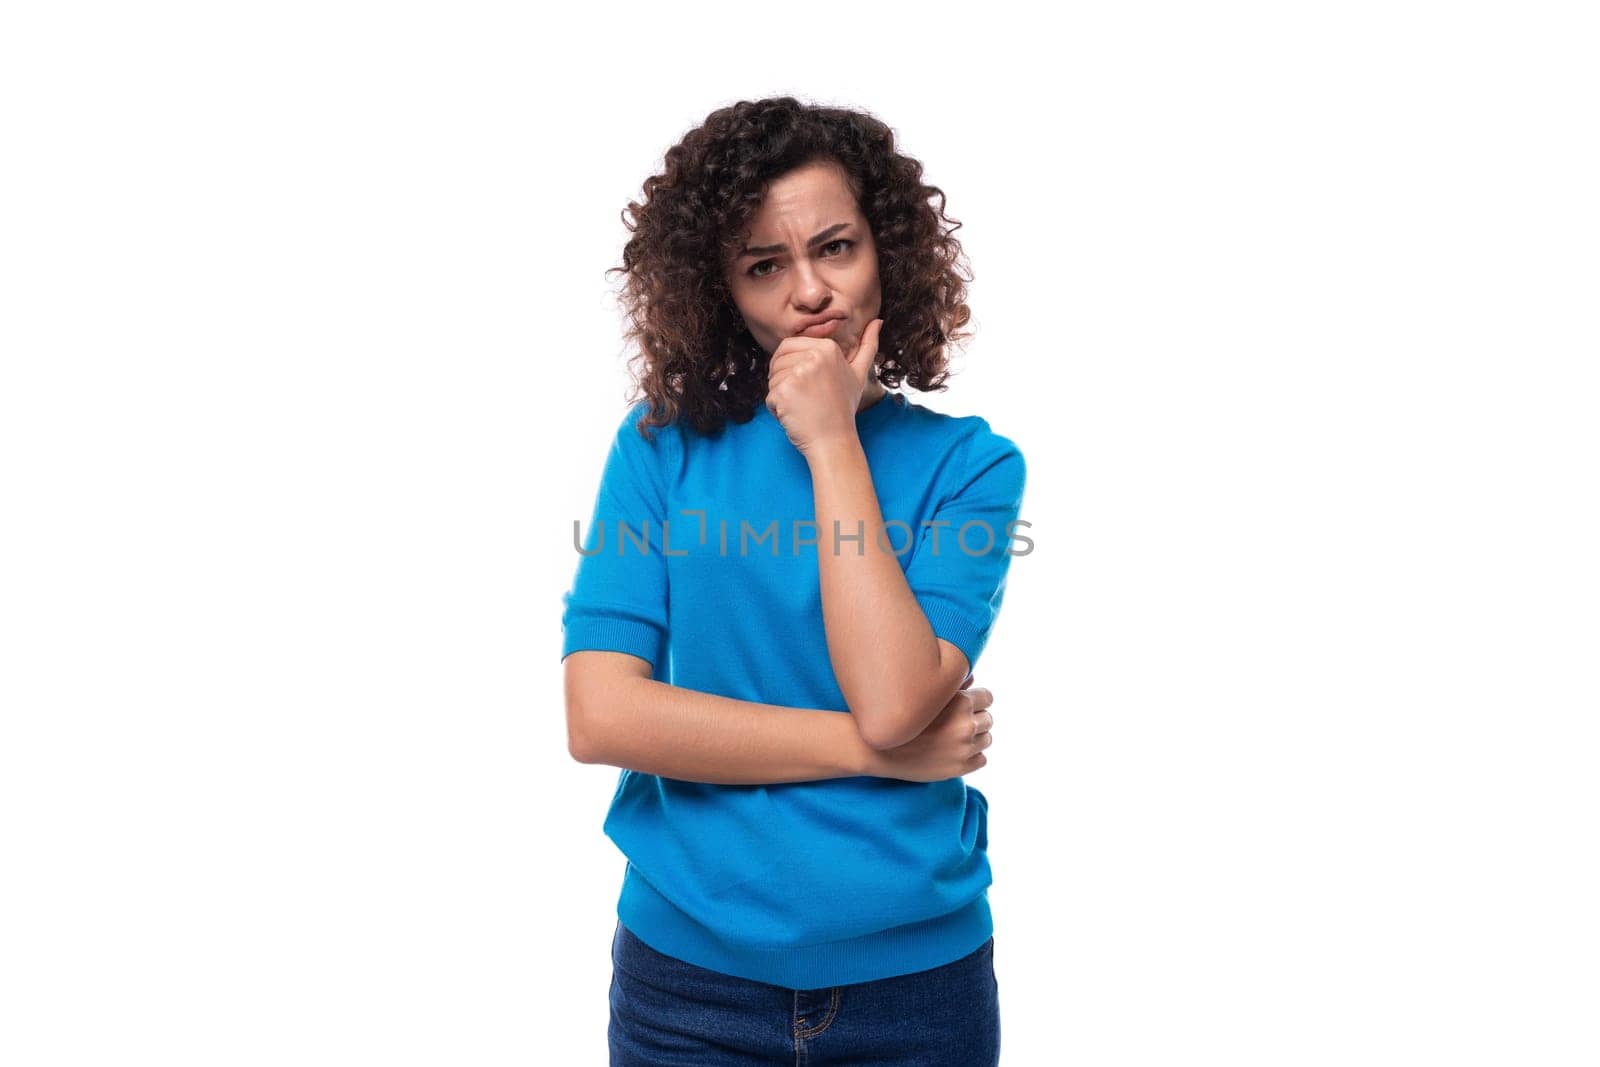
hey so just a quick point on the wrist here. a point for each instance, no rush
(831, 455)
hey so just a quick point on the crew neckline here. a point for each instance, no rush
(880, 408)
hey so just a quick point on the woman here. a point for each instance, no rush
(789, 575)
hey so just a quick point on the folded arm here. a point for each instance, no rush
(895, 674)
(618, 715)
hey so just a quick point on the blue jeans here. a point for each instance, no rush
(667, 1012)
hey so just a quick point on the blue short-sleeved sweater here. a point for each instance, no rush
(701, 558)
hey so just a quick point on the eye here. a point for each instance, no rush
(756, 271)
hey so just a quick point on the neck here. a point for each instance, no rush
(872, 394)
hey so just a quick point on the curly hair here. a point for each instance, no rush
(696, 359)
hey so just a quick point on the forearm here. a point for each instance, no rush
(883, 650)
(656, 728)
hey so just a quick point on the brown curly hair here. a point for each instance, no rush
(697, 359)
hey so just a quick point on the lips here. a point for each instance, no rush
(820, 327)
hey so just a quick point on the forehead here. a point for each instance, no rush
(805, 196)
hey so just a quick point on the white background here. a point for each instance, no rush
(311, 361)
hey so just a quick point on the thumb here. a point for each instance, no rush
(866, 352)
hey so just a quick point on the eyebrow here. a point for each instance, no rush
(766, 250)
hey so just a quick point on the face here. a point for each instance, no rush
(809, 254)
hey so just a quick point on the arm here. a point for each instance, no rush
(895, 674)
(618, 715)
(614, 625)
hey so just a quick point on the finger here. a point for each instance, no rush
(778, 363)
(983, 740)
(789, 350)
(867, 343)
(775, 381)
(866, 347)
(866, 352)
(980, 697)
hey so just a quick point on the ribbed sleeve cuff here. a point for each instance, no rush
(953, 627)
(612, 635)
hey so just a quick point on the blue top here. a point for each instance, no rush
(803, 885)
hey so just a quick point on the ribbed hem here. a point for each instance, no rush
(900, 950)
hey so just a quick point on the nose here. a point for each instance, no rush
(810, 291)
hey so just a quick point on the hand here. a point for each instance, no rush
(951, 746)
(814, 386)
